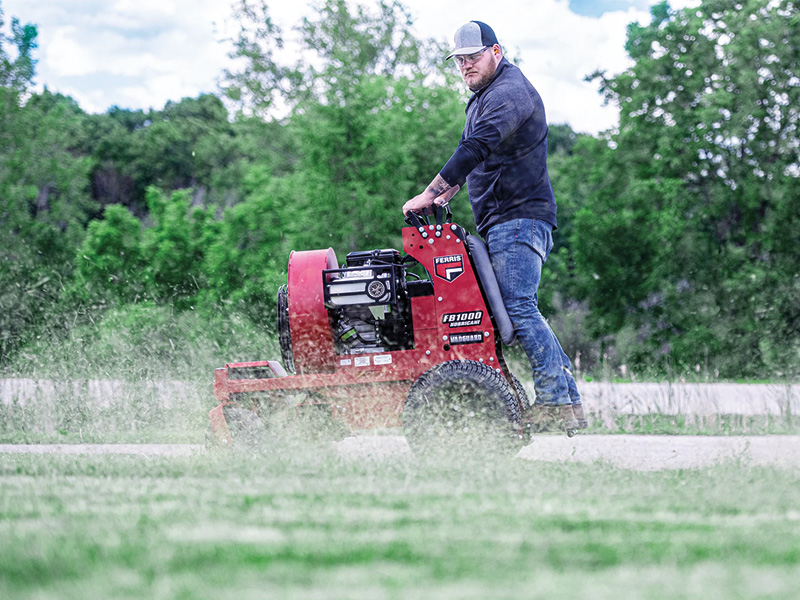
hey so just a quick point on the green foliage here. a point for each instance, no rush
(368, 125)
(353, 43)
(689, 229)
(109, 265)
(188, 144)
(677, 246)
(146, 342)
(44, 203)
(174, 247)
(120, 261)
(570, 157)
(347, 42)
(363, 158)
(254, 87)
(16, 73)
(246, 262)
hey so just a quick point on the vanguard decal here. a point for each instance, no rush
(475, 337)
(448, 267)
(470, 318)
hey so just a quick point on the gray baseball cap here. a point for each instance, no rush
(472, 37)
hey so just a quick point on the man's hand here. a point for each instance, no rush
(418, 203)
(438, 191)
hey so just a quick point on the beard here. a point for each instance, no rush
(483, 79)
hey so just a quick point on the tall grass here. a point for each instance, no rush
(144, 373)
(141, 373)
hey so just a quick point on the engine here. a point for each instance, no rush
(368, 303)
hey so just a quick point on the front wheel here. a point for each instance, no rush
(246, 428)
(278, 422)
(464, 408)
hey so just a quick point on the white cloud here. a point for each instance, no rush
(131, 53)
(557, 49)
(154, 10)
(142, 53)
(66, 56)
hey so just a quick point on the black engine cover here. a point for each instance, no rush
(388, 256)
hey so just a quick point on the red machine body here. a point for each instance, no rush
(366, 390)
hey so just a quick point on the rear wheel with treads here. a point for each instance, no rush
(464, 408)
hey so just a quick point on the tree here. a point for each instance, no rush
(17, 74)
(44, 203)
(247, 261)
(339, 45)
(110, 266)
(174, 248)
(371, 112)
(190, 144)
(707, 160)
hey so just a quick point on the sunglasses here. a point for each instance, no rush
(463, 59)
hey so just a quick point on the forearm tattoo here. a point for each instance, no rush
(439, 186)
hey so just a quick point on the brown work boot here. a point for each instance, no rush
(552, 418)
(580, 416)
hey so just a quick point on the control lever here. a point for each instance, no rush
(448, 212)
(413, 219)
(443, 213)
(438, 213)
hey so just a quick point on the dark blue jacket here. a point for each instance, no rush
(502, 155)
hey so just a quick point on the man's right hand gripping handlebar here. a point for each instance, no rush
(439, 191)
(418, 204)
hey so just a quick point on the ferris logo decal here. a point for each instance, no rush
(448, 267)
(463, 319)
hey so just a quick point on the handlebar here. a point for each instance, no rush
(441, 214)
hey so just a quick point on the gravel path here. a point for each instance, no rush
(636, 452)
(136, 449)
(655, 452)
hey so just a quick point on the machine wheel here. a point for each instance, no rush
(284, 335)
(523, 395)
(462, 408)
(211, 441)
(246, 427)
(279, 423)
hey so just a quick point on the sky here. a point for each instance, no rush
(142, 53)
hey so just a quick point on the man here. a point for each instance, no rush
(502, 157)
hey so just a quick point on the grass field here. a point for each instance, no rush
(310, 525)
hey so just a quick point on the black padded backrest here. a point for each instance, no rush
(483, 266)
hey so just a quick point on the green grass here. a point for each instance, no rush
(713, 424)
(309, 525)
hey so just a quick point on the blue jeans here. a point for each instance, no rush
(518, 249)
